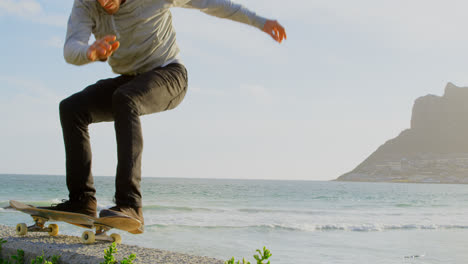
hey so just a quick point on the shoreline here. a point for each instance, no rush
(72, 251)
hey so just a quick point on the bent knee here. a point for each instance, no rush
(74, 106)
(66, 106)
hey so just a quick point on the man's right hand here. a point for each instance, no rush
(275, 30)
(103, 48)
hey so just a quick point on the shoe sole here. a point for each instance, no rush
(123, 223)
(138, 231)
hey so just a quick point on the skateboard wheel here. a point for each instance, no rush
(117, 238)
(21, 229)
(54, 229)
(88, 237)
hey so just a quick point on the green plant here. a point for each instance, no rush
(20, 257)
(233, 261)
(128, 260)
(43, 260)
(109, 254)
(3, 261)
(2, 241)
(110, 259)
(39, 260)
(265, 255)
(260, 258)
(55, 259)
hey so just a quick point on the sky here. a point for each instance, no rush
(311, 108)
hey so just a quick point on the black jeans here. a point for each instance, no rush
(122, 100)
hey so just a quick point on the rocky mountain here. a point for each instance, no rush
(434, 149)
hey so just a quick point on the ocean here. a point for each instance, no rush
(299, 221)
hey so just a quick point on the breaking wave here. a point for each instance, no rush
(315, 228)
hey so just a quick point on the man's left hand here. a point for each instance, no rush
(275, 30)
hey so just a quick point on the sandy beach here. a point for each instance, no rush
(72, 251)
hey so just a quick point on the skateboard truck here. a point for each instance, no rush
(22, 229)
(89, 237)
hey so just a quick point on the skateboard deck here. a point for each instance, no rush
(101, 225)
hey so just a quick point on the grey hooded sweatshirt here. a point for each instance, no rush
(144, 29)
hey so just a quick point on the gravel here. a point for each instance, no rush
(72, 251)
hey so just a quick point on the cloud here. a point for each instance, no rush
(400, 22)
(32, 10)
(54, 42)
(34, 90)
(22, 8)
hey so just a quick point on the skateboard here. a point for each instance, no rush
(101, 225)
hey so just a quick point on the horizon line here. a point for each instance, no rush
(188, 178)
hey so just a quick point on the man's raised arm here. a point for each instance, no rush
(237, 12)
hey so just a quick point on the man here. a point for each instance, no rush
(137, 39)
